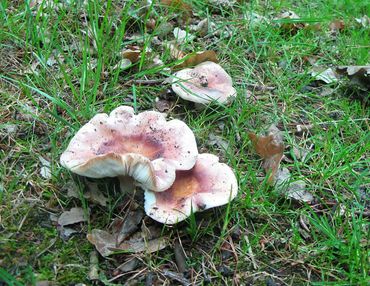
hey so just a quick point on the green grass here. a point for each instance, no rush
(48, 104)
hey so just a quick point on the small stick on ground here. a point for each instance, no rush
(250, 252)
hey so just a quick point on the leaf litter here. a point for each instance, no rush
(92, 194)
(126, 237)
(72, 216)
(270, 148)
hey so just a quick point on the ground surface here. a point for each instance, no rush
(61, 63)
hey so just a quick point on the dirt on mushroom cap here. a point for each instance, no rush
(204, 83)
(144, 146)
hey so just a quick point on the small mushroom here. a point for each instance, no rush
(209, 184)
(204, 83)
(145, 147)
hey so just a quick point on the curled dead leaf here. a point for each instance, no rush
(175, 52)
(132, 54)
(197, 58)
(270, 148)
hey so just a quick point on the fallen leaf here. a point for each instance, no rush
(300, 153)
(255, 18)
(197, 58)
(327, 75)
(182, 36)
(123, 64)
(218, 141)
(204, 27)
(364, 21)
(150, 232)
(336, 26)
(163, 105)
(75, 215)
(132, 54)
(105, 243)
(129, 265)
(130, 224)
(270, 148)
(137, 246)
(45, 171)
(175, 52)
(290, 22)
(51, 61)
(157, 62)
(164, 28)
(66, 233)
(359, 75)
(94, 266)
(326, 91)
(93, 194)
(294, 190)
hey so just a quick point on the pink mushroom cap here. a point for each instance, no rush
(208, 184)
(204, 83)
(144, 146)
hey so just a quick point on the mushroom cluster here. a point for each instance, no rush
(160, 156)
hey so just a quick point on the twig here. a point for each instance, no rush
(177, 277)
(250, 252)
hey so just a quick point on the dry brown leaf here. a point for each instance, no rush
(75, 215)
(270, 148)
(197, 58)
(130, 224)
(290, 22)
(105, 243)
(336, 26)
(132, 55)
(175, 52)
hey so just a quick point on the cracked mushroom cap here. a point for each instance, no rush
(209, 184)
(204, 83)
(144, 146)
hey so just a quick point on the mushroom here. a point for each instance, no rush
(145, 147)
(204, 83)
(209, 184)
